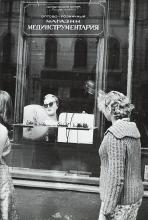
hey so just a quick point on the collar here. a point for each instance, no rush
(124, 128)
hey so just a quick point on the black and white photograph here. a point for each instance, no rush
(73, 109)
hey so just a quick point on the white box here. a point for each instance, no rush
(72, 133)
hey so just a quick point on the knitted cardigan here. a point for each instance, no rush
(120, 176)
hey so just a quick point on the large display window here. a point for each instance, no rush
(69, 50)
(61, 49)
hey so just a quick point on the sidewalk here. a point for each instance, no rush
(45, 204)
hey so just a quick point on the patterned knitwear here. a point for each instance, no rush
(120, 176)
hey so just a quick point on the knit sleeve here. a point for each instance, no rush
(7, 148)
(115, 173)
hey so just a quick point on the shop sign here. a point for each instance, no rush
(64, 18)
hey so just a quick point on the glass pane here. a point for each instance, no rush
(59, 65)
(56, 130)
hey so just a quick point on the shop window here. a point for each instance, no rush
(113, 54)
(51, 52)
(75, 157)
(80, 53)
(115, 9)
(47, 147)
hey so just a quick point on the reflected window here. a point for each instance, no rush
(8, 42)
(113, 54)
(146, 54)
(8, 67)
(126, 8)
(80, 53)
(115, 8)
(51, 52)
(4, 7)
(16, 7)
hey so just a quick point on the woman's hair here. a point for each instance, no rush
(53, 96)
(6, 109)
(118, 103)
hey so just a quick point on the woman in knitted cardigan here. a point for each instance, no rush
(121, 187)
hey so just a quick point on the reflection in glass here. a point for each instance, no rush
(51, 52)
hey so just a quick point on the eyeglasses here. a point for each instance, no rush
(50, 104)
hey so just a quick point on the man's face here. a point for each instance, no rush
(50, 106)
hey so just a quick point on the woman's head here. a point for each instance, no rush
(5, 106)
(114, 104)
(51, 104)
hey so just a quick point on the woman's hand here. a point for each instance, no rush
(102, 217)
(6, 150)
(5, 153)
